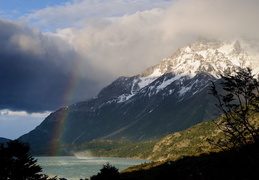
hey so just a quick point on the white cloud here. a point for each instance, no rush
(220, 18)
(13, 124)
(80, 13)
(126, 46)
(130, 44)
(24, 113)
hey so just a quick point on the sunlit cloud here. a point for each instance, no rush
(141, 39)
(7, 112)
(82, 13)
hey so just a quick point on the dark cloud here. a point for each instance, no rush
(39, 73)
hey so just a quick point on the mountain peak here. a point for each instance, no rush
(213, 57)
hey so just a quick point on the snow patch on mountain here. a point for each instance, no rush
(137, 84)
(144, 81)
(167, 82)
(124, 97)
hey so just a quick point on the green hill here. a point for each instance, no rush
(190, 141)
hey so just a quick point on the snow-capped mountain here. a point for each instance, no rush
(211, 57)
(168, 97)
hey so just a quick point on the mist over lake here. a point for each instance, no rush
(74, 168)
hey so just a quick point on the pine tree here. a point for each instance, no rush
(108, 172)
(17, 164)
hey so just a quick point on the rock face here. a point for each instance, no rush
(168, 97)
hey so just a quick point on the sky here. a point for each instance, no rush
(57, 52)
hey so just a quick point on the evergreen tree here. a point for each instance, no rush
(108, 172)
(17, 164)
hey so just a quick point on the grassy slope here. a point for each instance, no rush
(190, 141)
(107, 148)
(227, 165)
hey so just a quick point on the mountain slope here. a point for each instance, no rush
(189, 142)
(166, 98)
(4, 140)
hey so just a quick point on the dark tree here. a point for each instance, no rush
(108, 172)
(17, 164)
(237, 99)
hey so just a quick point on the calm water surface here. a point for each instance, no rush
(74, 168)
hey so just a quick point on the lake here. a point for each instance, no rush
(74, 168)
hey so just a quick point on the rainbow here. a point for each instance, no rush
(58, 133)
(56, 145)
